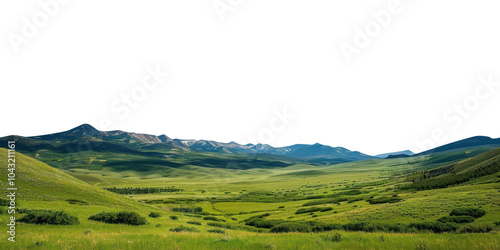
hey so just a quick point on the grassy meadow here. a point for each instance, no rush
(357, 205)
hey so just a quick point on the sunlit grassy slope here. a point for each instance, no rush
(234, 195)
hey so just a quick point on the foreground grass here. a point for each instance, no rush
(52, 237)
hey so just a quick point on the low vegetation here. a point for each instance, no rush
(124, 217)
(49, 217)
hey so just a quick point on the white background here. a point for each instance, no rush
(227, 76)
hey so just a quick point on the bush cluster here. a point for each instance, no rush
(182, 228)
(215, 230)
(473, 212)
(4, 202)
(189, 210)
(142, 190)
(212, 218)
(387, 199)
(124, 217)
(49, 217)
(456, 219)
(215, 224)
(154, 215)
(292, 227)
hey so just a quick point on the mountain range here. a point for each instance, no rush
(316, 152)
(122, 141)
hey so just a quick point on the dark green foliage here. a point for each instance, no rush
(436, 227)
(456, 219)
(77, 202)
(292, 227)
(378, 227)
(189, 210)
(386, 199)
(4, 202)
(49, 217)
(326, 227)
(143, 190)
(182, 228)
(325, 201)
(173, 217)
(213, 219)
(474, 212)
(453, 174)
(312, 210)
(257, 221)
(154, 215)
(194, 223)
(219, 231)
(215, 224)
(124, 217)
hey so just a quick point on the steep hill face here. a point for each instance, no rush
(37, 181)
(485, 164)
(472, 142)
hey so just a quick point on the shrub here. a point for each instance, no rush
(213, 219)
(182, 228)
(194, 223)
(124, 217)
(154, 215)
(189, 210)
(326, 227)
(4, 202)
(480, 228)
(261, 223)
(474, 212)
(173, 217)
(219, 231)
(381, 200)
(291, 227)
(456, 219)
(312, 210)
(49, 217)
(158, 225)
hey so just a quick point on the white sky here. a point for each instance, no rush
(227, 76)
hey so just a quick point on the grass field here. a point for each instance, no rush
(367, 191)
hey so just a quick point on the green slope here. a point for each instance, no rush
(37, 181)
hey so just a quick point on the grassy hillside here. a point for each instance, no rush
(37, 181)
(356, 205)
